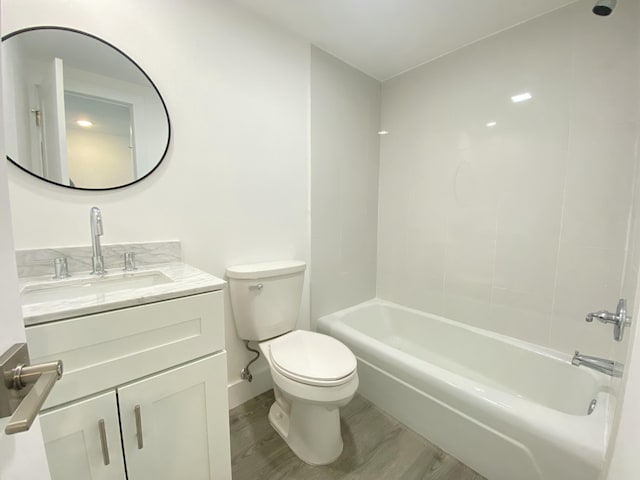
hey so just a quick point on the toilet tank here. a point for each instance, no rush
(265, 297)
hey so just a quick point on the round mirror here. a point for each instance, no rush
(79, 112)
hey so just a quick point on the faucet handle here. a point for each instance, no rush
(129, 261)
(621, 312)
(61, 268)
(623, 320)
(620, 319)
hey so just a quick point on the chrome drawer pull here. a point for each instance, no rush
(103, 443)
(139, 427)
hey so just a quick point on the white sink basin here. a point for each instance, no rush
(67, 289)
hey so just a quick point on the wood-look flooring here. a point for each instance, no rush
(376, 446)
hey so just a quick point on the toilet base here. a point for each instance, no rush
(311, 431)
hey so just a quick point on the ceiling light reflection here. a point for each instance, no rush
(521, 97)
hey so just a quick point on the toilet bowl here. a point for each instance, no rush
(313, 374)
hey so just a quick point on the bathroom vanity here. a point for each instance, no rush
(145, 385)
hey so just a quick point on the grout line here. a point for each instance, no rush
(495, 239)
(570, 133)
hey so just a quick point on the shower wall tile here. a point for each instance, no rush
(520, 314)
(588, 279)
(522, 227)
(629, 286)
(526, 264)
(468, 268)
(474, 311)
(599, 185)
(532, 201)
(421, 274)
(605, 67)
(345, 120)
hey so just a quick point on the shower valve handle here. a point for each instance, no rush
(620, 319)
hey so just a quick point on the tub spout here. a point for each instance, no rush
(608, 367)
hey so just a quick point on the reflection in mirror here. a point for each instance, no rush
(79, 112)
(99, 141)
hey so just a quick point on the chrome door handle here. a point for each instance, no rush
(103, 443)
(28, 410)
(25, 387)
(138, 415)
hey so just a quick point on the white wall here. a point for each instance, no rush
(522, 227)
(345, 119)
(234, 186)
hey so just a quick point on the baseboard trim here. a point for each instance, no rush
(241, 391)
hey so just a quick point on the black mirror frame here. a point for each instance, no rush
(164, 106)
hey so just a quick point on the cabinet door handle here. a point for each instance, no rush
(138, 414)
(104, 443)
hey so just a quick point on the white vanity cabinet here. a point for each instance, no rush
(145, 392)
(82, 440)
(171, 423)
(172, 426)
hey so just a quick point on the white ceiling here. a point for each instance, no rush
(386, 37)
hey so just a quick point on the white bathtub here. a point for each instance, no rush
(508, 409)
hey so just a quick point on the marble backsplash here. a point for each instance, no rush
(39, 261)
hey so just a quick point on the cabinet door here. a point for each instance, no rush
(176, 424)
(82, 440)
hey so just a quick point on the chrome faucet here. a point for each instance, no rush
(97, 230)
(620, 319)
(608, 367)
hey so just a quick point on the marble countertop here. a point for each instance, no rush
(185, 280)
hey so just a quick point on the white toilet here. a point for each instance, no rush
(313, 374)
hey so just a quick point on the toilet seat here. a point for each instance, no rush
(312, 358)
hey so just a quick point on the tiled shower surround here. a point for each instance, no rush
(517, 217)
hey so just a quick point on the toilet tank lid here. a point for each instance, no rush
(266, 269)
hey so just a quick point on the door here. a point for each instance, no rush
(51, 101)
(176, 424)
(82, 440)
(22, 455)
